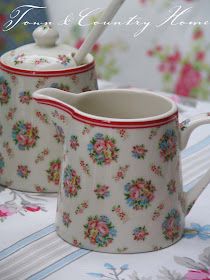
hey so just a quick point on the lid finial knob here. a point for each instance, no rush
(45, 36)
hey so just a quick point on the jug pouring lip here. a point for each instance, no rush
(41, 97)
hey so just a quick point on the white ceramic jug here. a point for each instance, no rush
(121, 185)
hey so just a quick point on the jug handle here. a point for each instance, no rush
(186, 128)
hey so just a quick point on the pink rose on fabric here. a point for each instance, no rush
(95, 49)
(197, 275)
(6, 211)
(32, 208)
(174, 58)
(189, 79)
(200, 56)
(103, 228)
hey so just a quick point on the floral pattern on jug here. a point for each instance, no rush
(54, 171)
(168, 145)
(2, 164)
(102, 149)
(100, 231)
(59, 135)
(140, 233)
(25, 135)
(171, 225)
(66, 219)
(139, 194)
(74, 143)
(25, 97)
(102, 191)
(139, 152)
(71, 182)
(120, 197)
(23, 171)
(26, 127)
(5, 91)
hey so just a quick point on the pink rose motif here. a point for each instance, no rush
(72, 190)
(198, 34)
(22, 139)
(92, 224)
(73, 173)
(134, 193)
(99, 146)
(140, 185)
(109, 144)
(200, 56)
(30, 142)
(4, 89)
(95, 49)
(6, 211)
(120, 174)
(174, 58)
(197, 275)
(189, 79)
(32, 207)
(140, 235)
(103, 189)
(102, 228)
(55, 166)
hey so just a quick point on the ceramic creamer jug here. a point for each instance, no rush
(30, 145)
(121, 185)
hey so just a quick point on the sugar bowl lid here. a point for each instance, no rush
(43, 55)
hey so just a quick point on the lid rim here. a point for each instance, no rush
(52, 73)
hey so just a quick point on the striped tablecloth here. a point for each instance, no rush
(30, 248)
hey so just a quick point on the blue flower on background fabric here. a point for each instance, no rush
(203, 232)
(111, 275)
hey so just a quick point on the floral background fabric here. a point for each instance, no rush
(172, 58)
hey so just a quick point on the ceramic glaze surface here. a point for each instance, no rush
(121, 182)
(114, 181)
(44, 54)
(30, 144)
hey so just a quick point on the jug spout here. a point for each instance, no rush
(55, 97)
(57, 100)
(57, 106)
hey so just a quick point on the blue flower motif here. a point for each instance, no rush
(99, 136)
(2, 164)
(113, 232)
(96, 275)
(109, 266)
(90, 147)
(124, 267)
(197, 230)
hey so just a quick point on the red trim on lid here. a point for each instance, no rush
(55, 73)
(107, 123)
